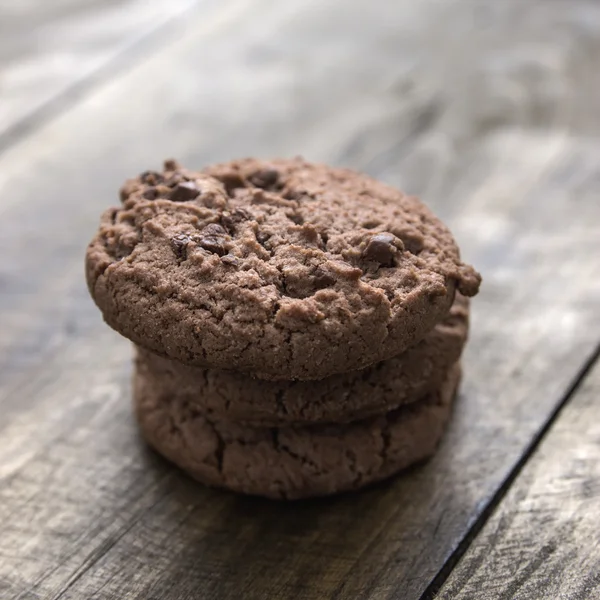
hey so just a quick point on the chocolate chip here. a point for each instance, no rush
(291, 194)
(266, 178)
(185, 191)
(214, 244)
(231, 219)
(241, 214)
(296, 218)
(262, 238)
(151, 177)
(150, 194)
(179, 244)
(213, 238)
(228, 222)
(171, 164)
(322, 279)
(231, 260)
(382, 249)
(214, 229)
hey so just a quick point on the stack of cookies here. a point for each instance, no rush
(298, 328)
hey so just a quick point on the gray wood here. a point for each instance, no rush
(486, 109)
(52, 48)
(542, 541)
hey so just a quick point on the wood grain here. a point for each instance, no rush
(496, 134)
(53, 51)
(543, 540)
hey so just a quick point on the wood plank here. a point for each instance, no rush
(51, 51)
(86, 511)
(543, 539)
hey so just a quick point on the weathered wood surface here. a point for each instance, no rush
(486, 109)
(51, 50)
(544, 539)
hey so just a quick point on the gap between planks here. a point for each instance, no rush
(438, 581)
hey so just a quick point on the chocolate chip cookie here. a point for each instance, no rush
(282, 269)
(292, 462)
(337, 399)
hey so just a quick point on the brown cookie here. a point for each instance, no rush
(282, 269)
(336, 399)
(292, 462)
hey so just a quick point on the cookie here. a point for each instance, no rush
(336, 399)
(282, 269)
(292, 462)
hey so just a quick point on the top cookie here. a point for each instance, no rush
(282, 269)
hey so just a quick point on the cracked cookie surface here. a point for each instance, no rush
(282, 269)
(292, 462)
(340, 398)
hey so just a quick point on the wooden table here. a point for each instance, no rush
(490, 110)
